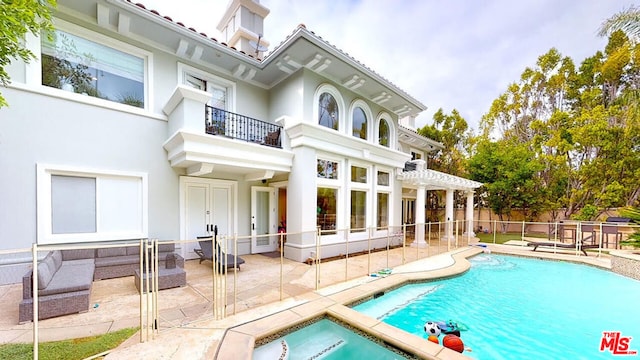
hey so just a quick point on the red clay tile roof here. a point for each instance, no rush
(155, 12)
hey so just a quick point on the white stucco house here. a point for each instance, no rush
(131, 125)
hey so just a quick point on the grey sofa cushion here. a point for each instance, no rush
(56, 255)
(124, 260)
(133, 250)
(79, 262)
(115, 251)
(78, 254)
(70, 277)
(166, 247)
(46, 270)
(117, 260)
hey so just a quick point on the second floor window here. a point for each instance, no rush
(218, 93)
(79, 65)
(328, 113)
(359, 123)
(383, 133)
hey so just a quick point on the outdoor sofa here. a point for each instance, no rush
(64, 287)
(65, 277)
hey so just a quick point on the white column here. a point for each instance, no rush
(469, 214)
(449, 216)
(421, 197)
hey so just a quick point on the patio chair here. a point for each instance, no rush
(588, 231)
(223, 261)
(611, 229)
(579, 244)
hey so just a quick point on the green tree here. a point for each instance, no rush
(510, 172)
(17, 18)
(582, 127)
(453, 132)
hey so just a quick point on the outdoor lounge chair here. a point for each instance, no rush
(224, 261)
(580, 245)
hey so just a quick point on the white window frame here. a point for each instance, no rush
(367, 187)
(337, 184)
(44, 207)
(342, 116)
(382, 189)
(417, 152)
(230, 86)
(392, 130)
(34, 75)
(359, 103)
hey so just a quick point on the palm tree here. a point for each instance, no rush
(627, 20)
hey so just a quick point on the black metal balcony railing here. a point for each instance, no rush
(236, 126)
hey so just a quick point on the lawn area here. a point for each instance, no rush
(68, 349)
(501, 238)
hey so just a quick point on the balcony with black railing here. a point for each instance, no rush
(235, 126)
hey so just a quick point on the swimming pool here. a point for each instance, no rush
(520, 308)
(324, 339)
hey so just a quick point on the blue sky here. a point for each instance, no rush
(447, 54)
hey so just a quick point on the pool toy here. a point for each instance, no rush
(453, 342)
(433, 339)
(451, 327)
(382, 273)
(432, 328)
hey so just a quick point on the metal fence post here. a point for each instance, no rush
(34, 290)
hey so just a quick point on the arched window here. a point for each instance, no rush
(359, 129)
(328, 114)
(383, 133)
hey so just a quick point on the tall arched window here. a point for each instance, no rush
(383, 133)
(359, 129)
(328, 114)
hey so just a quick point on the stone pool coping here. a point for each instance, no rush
(238, 341)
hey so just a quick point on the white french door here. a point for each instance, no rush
(263, 219)
(205, 204)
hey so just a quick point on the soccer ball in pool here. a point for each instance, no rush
(431, 328)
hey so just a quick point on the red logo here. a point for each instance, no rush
(616, 343)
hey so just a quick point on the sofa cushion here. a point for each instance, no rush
(46, 270)
(166, 247)
(133, 250)
(115, 251)
(117, 260)
(79, 262)
(44, 275)
(77, 254)
(56, 255)
(69, 278)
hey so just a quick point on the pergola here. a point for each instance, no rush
(426, 179)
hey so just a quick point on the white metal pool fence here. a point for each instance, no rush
(230, 292)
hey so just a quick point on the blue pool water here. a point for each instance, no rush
(325, 339)
(519, 308)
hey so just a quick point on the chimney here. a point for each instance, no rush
(242, 27)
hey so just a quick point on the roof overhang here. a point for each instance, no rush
(413, 139)
(132, 22)
(436, 180)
